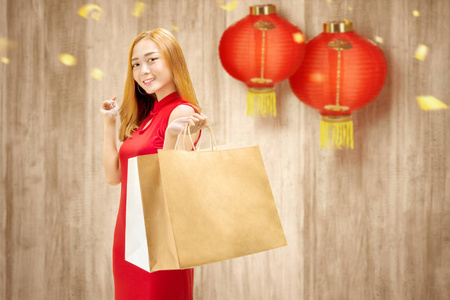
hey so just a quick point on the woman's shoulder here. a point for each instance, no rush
(182, 110)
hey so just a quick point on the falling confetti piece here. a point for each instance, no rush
(175, 28)
(416, 13)
(350, 8)
(421, 52)
(6, 43)
(430, 103)
(316, 77)
(378, 39)
(298, 37)
(138, 8)
(330, 1)
(67, 59)
(97, 74)
(92, 10)
(3, 43)
(230, 6)
(5, 60)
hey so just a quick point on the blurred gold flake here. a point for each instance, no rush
(6, 43)
(230, 6)
(421, 52)
(316, 77)
(329, 1)
(430, 103)
(416, 13)
(298, 37)
(97, 74)
(4, 60)
(350, 8)
(347, 22)
(175, 28)
(378, 39)
(138, 8)
(67, 59)
(90, 10)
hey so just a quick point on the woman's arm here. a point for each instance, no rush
(179, 118)
(111, 164)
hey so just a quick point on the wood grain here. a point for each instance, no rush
(368, 223)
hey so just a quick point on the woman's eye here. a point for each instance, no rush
(135, 65)
(152, 59)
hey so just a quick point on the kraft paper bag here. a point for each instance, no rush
(200, 207)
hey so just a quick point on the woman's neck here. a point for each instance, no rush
(165, 91)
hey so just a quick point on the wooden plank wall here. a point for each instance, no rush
(368, 223)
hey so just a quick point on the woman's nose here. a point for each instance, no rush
(145, 69)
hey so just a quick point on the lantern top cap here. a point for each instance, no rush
(265, 9)
(338, 26)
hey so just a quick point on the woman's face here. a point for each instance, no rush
(151, 70)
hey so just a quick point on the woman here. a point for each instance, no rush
(159, 101)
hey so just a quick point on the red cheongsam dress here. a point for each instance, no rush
(130, 281)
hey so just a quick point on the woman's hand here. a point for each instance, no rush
(196, 122)
(111, 164)
(110, 109)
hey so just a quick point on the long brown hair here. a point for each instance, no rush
(135, 106)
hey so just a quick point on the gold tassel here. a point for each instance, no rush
(265, 100)
(341, 130)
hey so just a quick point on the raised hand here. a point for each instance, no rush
(109, 108)
(196, 122)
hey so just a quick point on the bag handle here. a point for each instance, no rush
(186, 129)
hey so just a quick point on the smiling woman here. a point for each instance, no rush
(159, 101)
(150, 69)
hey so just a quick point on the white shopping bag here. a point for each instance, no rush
(136, 249)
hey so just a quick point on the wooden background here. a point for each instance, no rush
(368, 223)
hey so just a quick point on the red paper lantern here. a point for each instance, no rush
(261, 50)
(342, 72)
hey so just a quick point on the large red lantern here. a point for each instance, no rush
(261, 50)
(342, 72)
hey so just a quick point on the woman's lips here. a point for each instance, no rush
(148, 81)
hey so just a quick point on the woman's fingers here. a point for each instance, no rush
(109, 104)
(109, 107)
(195, 120)
(200, 120)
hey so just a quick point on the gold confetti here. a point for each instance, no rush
(138, 8)
(6, 43)
(329, 1)
(430, 103)
(4, 60)
(230, 6)
(175, 28)
(67, 59)
(378, 39)
(316, 77)
(92, 10)
(97, 74)
(416, 13)
(350, 8)
(421, 52)
(298, 37)
(347, 22)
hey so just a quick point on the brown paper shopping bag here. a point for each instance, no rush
(201, 207)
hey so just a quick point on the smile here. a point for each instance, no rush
(148, 81)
